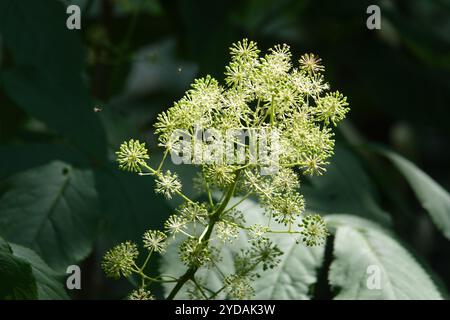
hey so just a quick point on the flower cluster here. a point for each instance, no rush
(262, 94)
(120, 260)
(168, 184)
(141, 294)
(132, 155)
(154, 240)
(313, 230)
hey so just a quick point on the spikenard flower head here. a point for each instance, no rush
(120, 260)
(239, 287)
(132, 155)
(263, 92)
(194, 253)
(194, 212)
(244, 51)
(168, 184)
(226, 231)
(331, 108)
(175, 224)
(154, 240)
(141, 294)
(313, 230)
(311, 63)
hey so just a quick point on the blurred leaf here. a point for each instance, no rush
(129, 204)
(156, 68)
(207, 33)
(421, 29)
(151, 7)
(53, 210)
(16, 277)
(16, 158)
(46, 77)
(49, 286)
(345, 187)
(360, 246)
(186, 173)
(117, 128)
(434, 198)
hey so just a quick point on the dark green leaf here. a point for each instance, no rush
(434, 198)
(16, 158)
(53, 210)
(46, 77)
(129, 204)
(362, 251)
(16, 276)
(49, 283)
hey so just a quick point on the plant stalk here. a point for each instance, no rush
(189, 274)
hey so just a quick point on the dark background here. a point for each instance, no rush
(76, 95)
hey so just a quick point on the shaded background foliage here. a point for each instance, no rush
(69, 98)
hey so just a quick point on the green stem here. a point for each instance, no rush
(208, 190)
(189, 274)
(124, 46)
(146, 260)
(239, 202)
(272, 113)
(199, 288)
(162, 161)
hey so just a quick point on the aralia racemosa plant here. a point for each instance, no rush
(263, 95)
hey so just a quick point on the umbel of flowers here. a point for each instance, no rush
(263, 93)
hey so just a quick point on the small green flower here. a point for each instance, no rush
(220, 175)
(244, 50)
(194, 253)
(155, 240)
(258, 231)
(168, 184)
(226, 232)
(332, 108)
(286, 207)
(285, 180)
(175, 224)
(311, 63)
(239, 287)
(132, 155)
(314, 165)
(262, 251)
(120, 260)
(141, 294)
(194, 212)
(314, 230)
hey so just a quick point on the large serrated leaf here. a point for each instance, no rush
(294, 276)
(16, 276)
(434, 198)
(52, 209)
(363, 251)
(49, 283)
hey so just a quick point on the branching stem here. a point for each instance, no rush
(215, 217)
